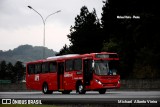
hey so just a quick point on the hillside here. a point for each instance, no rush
(25, 53)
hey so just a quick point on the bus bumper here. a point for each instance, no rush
(108, 85)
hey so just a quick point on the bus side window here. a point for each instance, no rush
(31, 69)
(37, 68)
(45, 68)
(78, 64)
(69, 65)
(52, 67)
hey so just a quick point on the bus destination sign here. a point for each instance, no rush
(106, 56)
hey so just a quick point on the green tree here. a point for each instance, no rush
(3, 69)
(65, 50)
(10, 72)
(110, 46)
(136, 40)
(85, 36)
(117, 38)
(19, 71)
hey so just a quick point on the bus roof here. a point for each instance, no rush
(75, 55)
(62, 56)
(69, 56)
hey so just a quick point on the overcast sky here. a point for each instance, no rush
(20, 25)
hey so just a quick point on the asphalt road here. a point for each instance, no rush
(125, 97)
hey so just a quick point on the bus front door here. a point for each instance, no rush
(60, 76)
(87, 71)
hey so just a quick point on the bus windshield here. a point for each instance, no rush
(103, 67)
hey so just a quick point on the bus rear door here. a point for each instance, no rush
(60, 78)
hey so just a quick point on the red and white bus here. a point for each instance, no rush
(80, 72)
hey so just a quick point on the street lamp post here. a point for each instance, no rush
(44, 23)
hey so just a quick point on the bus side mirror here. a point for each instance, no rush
(93, 63)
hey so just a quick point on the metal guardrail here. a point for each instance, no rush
(5, 81)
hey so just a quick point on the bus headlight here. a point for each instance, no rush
(99, 82)
(119, 82)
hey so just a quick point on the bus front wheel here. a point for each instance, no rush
(81, 89)
(45, 89)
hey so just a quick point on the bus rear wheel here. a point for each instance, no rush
(45, 89)
(102, 91)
